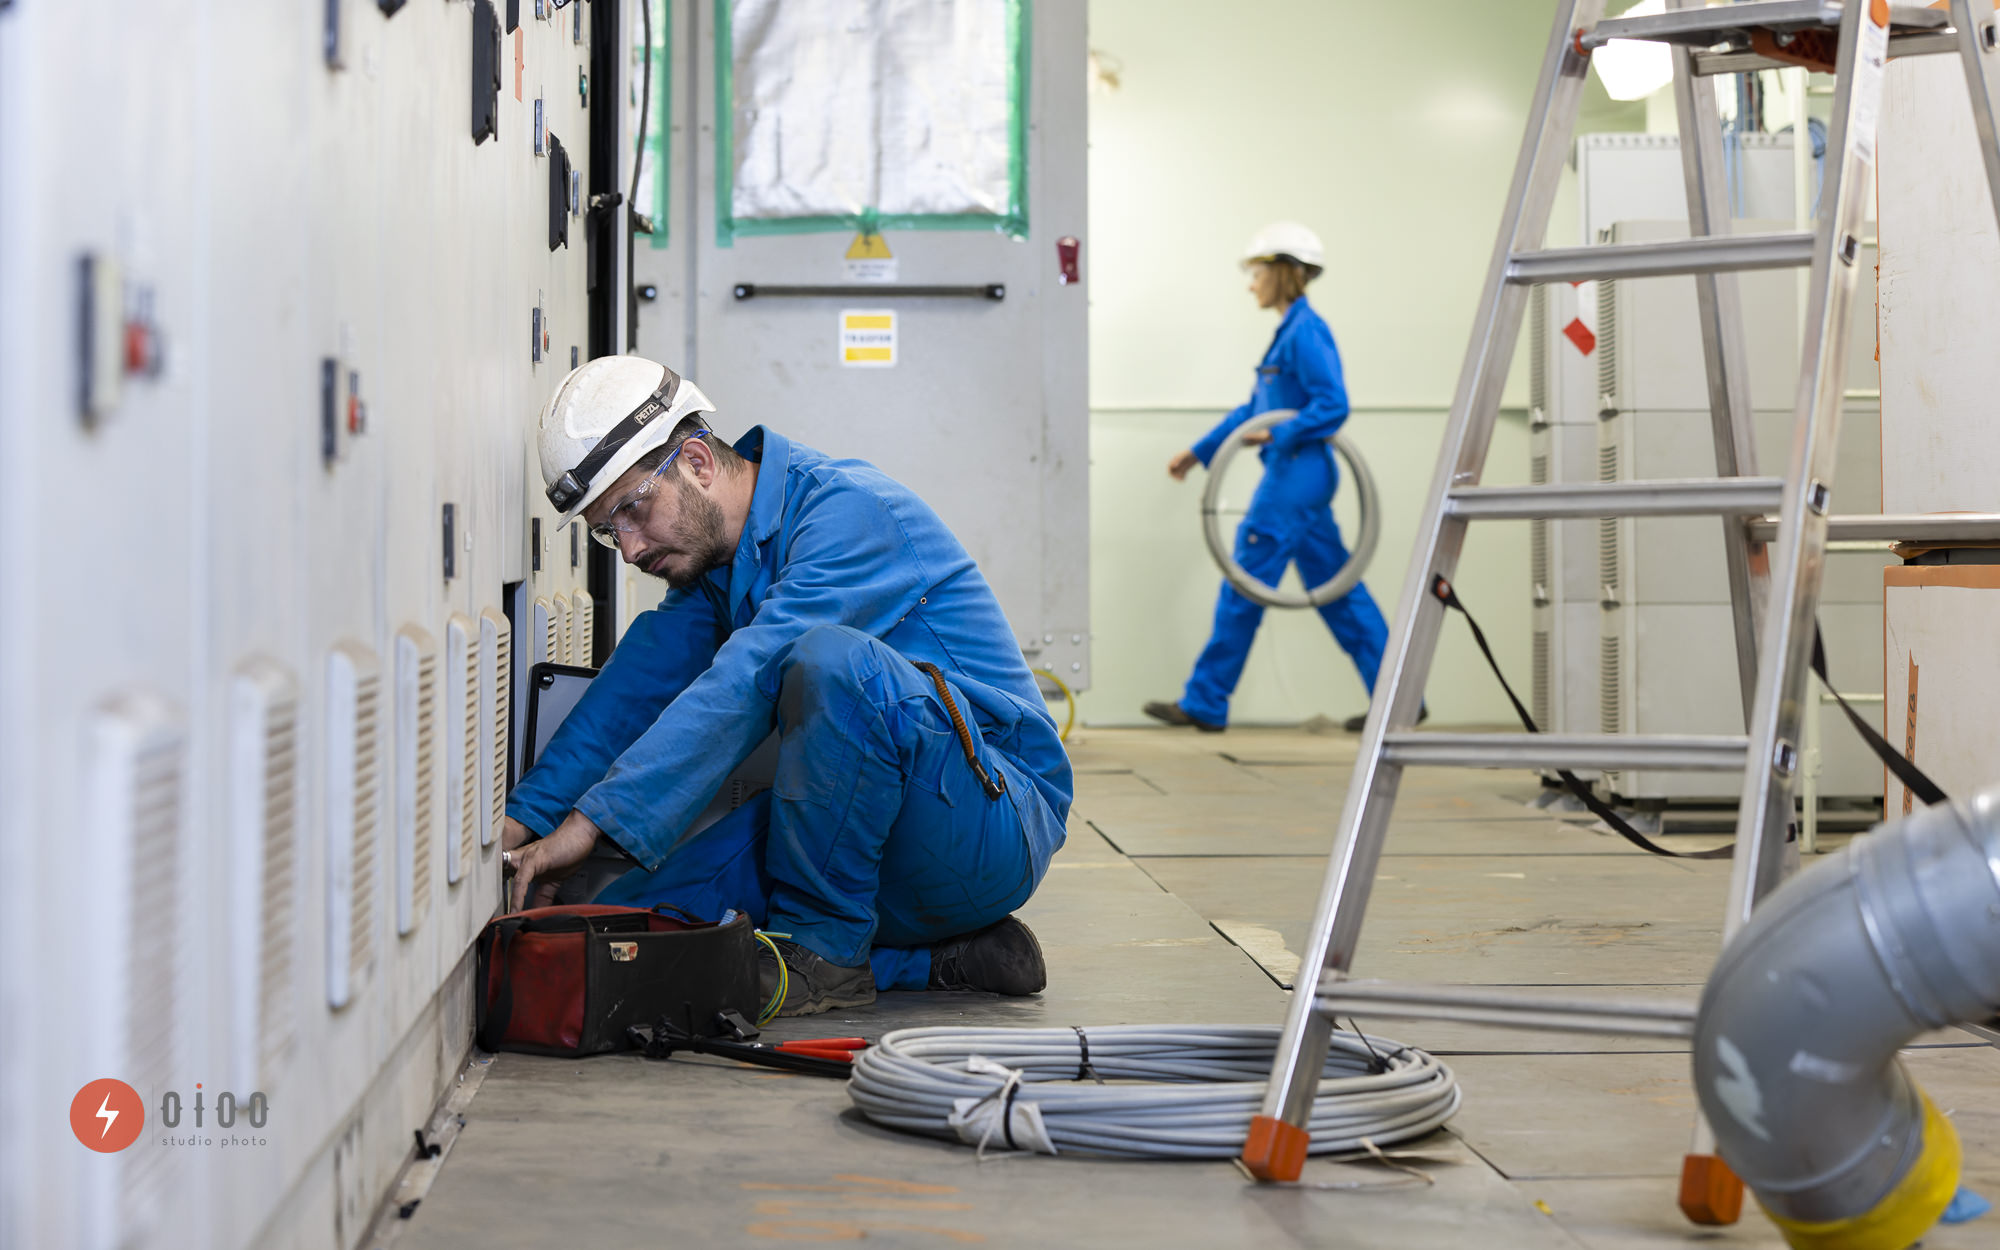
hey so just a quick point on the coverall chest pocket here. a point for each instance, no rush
(1269, 388)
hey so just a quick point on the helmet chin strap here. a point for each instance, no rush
(572, 486)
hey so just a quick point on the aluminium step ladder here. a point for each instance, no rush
(1775, 529)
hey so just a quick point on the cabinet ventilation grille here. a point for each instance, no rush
(1544, 680)
(496, 707)
(264, 798)
(461, 752)
(353, 799)
(416, 774)
(583, 614)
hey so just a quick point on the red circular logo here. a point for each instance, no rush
(106, 1115)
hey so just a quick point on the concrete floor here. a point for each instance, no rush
(1188, 883)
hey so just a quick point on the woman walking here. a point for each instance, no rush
(1290, 517)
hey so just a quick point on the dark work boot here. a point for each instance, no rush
(1354, 723)
(1173, 715)
(812, 985)
(1002, 958)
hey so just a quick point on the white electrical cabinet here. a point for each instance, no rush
(1666, 645)
(1619, 177)
(285, 285)
(1631, 619)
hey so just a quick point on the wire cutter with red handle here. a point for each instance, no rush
(840, 1048)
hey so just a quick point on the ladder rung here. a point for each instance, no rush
(1707, 496)
(1706, 27)
(1945, 527)
(1339, 998)
(1923, 42)
(1679, 752)
(1710, 254)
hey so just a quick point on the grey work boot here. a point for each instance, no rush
(812, 985)
(1002, 958)
(1175, 714)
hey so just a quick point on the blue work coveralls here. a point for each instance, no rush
(1291, 514)
(876, 838)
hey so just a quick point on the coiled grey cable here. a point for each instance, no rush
(1171, 1091)
(1367, 496)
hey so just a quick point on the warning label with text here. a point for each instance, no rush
(868, 338)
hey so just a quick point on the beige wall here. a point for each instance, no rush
(1392, 131)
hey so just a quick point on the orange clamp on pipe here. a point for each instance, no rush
(1576, 44)
(1275, 1150)
(1710, 1193)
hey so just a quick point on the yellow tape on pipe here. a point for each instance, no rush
(1902, 1218)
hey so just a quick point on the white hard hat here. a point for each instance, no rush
(1287, 238)
(604, 416)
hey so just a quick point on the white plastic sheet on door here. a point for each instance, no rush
(896, 108)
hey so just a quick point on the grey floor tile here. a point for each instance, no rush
(1522, 1112)
(1639, 1214)
(1146, 824)
(1512, 920)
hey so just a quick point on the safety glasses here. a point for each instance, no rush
(628, 515)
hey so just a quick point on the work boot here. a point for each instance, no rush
(1174, 715)
(1002, 958)
(1354, 723)
(812, 985)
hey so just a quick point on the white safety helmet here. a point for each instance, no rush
(1287, 239)
(604, 416)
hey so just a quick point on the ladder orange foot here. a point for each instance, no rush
(1710, 1192)
(1275, 1150)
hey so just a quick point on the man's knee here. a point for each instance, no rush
(825, 658)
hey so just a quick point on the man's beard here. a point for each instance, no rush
(696, 545)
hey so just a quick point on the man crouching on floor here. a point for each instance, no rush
(921, 786)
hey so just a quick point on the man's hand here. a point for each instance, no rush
(1181, 464)
(540, 866)
(1256, 438)
(514, 835)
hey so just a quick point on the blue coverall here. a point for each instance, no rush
(876, 839)
(1290, 516)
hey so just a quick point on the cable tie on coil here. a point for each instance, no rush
(973, 1119)
(1007, 1108)
(1083, 1068)
(1381, 1064)
(1005, 1094)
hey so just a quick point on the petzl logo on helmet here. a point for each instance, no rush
(107, 1115)
(569, 489)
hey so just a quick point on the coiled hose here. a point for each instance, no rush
(1177, 1091)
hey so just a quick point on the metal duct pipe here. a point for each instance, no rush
(1795, 1046)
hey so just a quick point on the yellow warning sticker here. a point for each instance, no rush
(868, 247)
(868, 338)
(869, 259)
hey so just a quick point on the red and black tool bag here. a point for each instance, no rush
(570, 980)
